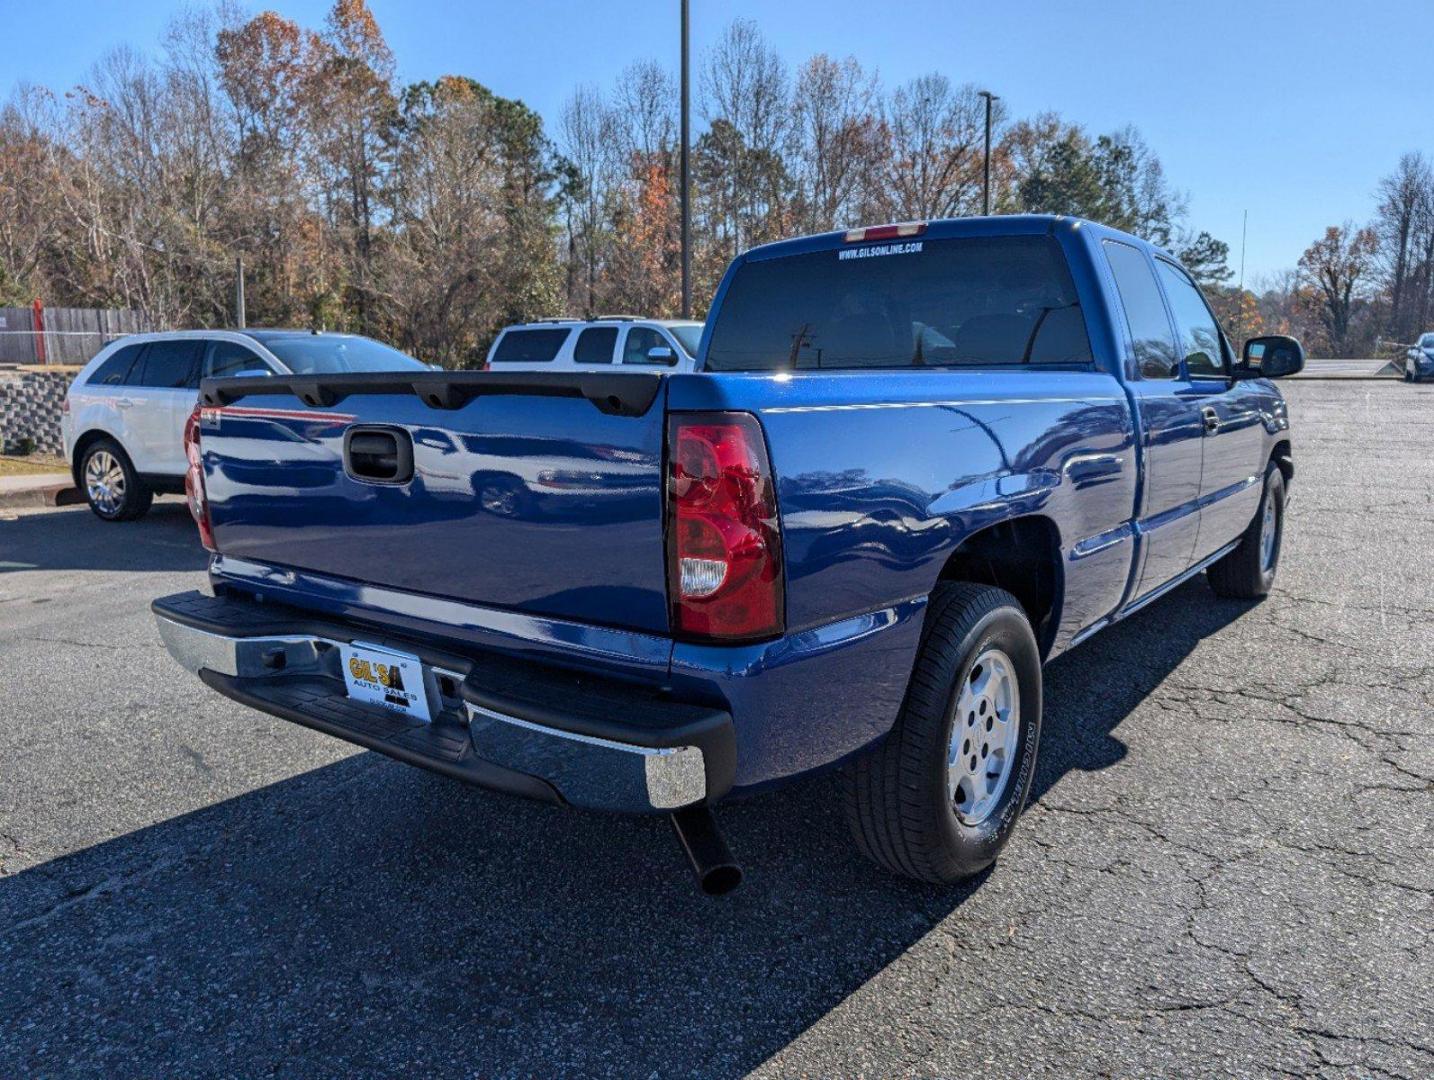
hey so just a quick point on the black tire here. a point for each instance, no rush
(897, 799)
(136, 497)
(1244, 574)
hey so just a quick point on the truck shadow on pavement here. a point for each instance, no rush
(367, 918)
(74, 539)
(1091, 689)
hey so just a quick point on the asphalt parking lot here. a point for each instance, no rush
(1227, 868)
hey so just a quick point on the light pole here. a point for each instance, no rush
(986, 184)
(239, 313)
(685, 180)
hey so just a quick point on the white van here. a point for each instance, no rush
(609, 343)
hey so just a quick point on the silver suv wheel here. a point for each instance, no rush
(104, 482)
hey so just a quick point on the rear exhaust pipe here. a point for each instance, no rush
(702, 841)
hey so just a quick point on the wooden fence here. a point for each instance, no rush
(70, 336)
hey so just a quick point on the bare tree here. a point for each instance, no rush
(747, 103)
(590, 143)
(1422, 272)
(126, 197)
(1405, 198)
(937, 131)
(32, 169)
(646, 115)
(838, 136)
(1336, 269)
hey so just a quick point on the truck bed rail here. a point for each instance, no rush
(628, 394)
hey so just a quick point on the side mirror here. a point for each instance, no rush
(661, 354)
(1272, 357)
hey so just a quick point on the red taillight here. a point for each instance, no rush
(194, 480)
(724, 545)
(885, 232)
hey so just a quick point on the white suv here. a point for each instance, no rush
(607, 343)
(123, 419)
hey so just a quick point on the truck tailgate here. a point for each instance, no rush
(539, 494)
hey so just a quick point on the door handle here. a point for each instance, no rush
(1212, 419)
(124, 402)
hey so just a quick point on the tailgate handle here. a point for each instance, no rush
(380, 455)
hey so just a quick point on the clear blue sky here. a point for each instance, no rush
(1290, 110)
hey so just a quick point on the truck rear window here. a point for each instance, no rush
(529, 346)
(922, 303)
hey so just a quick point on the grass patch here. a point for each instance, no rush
(31, 465)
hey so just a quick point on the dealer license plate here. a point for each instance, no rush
(384, 677)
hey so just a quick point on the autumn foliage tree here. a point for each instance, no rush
(267, 68)
(434, 213)
(1335, 271)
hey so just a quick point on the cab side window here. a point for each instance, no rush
(225, 358)
(1144, 311)
(1200, 339)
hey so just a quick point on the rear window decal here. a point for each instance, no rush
(911, 248)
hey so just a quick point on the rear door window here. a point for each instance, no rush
(530, 346)
(1200, 338)
(969, 302)
(225, 358)
(114, 371)
(1155, 351)
(168, 365)
(595, 345)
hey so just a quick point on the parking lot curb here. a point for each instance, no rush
(49, 495)
(1346, 378)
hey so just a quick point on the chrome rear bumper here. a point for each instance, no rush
(297, 677)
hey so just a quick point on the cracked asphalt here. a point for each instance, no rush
(1226, 869)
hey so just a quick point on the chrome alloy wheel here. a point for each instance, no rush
(985, 733)
(104, 482)
(1269, 534)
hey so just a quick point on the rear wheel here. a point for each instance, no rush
(939, 798)
(1248, 572)
(113, 488)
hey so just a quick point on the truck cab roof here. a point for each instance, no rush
(951, 228)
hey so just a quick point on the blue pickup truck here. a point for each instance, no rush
(917, 462)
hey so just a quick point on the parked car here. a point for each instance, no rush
(123, 418)
(918, 462)
(1419, 359)
(608, 343)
